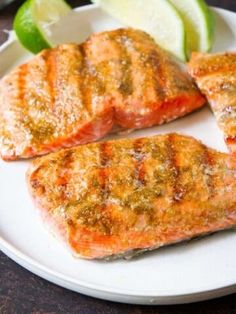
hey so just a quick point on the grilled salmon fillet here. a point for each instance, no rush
(215, 75)
(75, 94)
(117, 198)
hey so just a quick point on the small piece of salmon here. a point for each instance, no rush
(215, 75)
(120, 197)
(75, 94)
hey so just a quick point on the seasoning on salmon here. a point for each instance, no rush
(75, 94)
(121, 197)
(215, 75)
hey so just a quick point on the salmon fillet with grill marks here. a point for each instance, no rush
(215, 75)
(75, 94)
(121, 197)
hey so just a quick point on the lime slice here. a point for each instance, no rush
(33, 19)
(199, 24)
(157, 17)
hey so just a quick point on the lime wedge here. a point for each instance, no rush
(33, 19)
(199, 24)
(157, 17)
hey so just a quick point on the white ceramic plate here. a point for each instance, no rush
(190, 272)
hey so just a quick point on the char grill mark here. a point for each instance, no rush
(159, 75)
(208, 162)
(22, 83)
(150, 65)
(92, 86)
(95, 83)
(105, 219)
(22, 94)
(175, 178)
(126, 84)
(104, 174)
(139, 165)
(129, 49)
(64, 177)
(83, 70)
(50, 58)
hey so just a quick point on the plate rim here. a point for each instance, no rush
(101, 291)
(124, 296)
